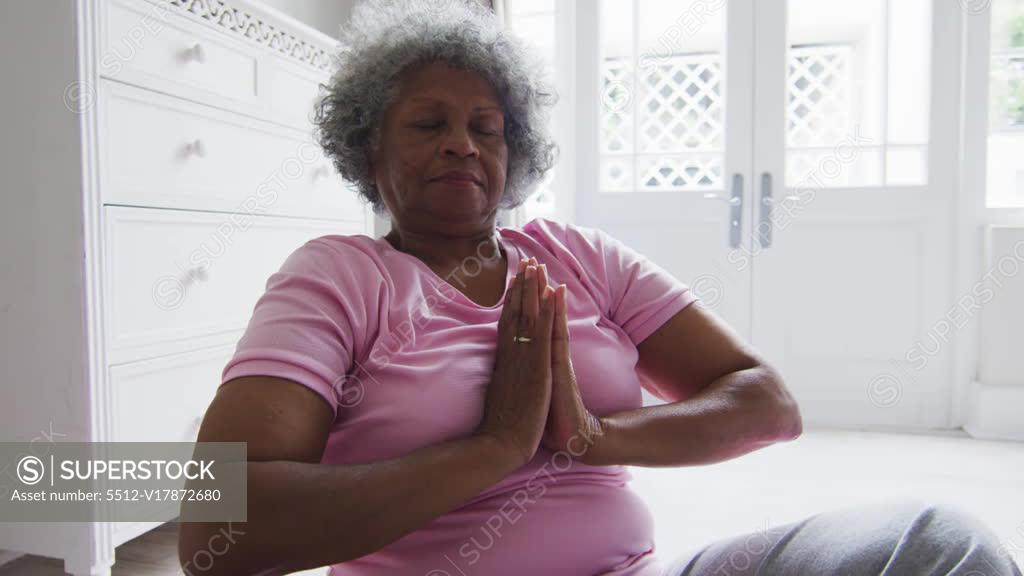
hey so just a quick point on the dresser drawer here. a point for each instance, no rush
(160, 151)
(177, 280)
(291, 91)
(164, 399)
(151, 45)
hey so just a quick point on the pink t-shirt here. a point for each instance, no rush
(403, 359)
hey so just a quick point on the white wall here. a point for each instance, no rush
(324, 15)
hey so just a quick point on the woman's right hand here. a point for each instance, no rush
(519, 393)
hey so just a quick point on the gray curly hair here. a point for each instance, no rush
(384, 37)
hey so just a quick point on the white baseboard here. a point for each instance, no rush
(995, 411)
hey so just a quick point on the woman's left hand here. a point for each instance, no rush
(570, 426)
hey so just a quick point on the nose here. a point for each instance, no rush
(459, 142)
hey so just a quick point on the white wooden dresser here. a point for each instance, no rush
(158, 166)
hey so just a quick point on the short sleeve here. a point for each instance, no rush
(311, 322)
(637, 294)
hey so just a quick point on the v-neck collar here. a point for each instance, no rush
(512, 258)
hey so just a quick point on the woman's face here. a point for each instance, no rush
(444, 119)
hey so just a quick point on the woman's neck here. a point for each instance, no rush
(473, 252)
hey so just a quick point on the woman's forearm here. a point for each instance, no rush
(736, 414)
(302, 515)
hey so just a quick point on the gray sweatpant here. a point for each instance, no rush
(905, 537)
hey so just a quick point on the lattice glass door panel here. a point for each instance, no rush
(662, 95)
(857, 93)
(1005, 180)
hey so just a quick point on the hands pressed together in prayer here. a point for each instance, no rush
(533, 398)
(570, 425)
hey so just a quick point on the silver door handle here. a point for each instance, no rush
(764, 228)
(736, 211)
(717, 196)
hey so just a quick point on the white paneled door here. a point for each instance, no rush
(794, 162)
(671, 141)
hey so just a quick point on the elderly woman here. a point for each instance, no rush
(461, 398)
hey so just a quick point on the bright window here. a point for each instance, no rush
(859, 70)
(1006, 108)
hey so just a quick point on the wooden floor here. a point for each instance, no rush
(152, 554)
(694, 505)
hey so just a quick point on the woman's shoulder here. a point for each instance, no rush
(564, 238)
(333, 254)
(341, 268)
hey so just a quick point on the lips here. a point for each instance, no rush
(458, 177)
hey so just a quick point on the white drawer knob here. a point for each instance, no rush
(197, 53)
(321, 172)
(197, 148)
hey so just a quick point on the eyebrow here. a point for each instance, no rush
(435, 100)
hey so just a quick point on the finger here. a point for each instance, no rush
(514, 290)
(512, 309)
(506, 303)
(545, 322)
(542, 277)
(530, 303)
(561, 328)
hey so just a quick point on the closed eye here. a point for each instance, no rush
(427, 125)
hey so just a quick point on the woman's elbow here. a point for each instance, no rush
(791, 422)
(785, 422)
(210, 549)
